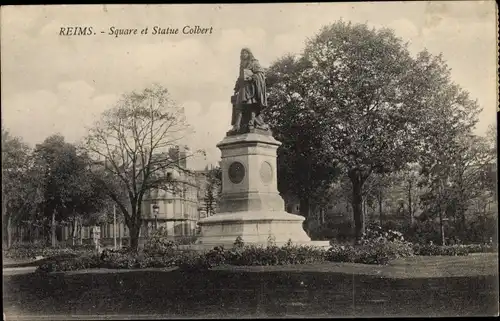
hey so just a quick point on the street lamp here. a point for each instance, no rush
(156, 209)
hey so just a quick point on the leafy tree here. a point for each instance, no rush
(457, 180)
(69, 191)
(18, 188)
(130, 147)
(490, 172)
(90, 205)
(304, 169)
(410, 177)
(373, 106)
(213, 190)
(374, 193)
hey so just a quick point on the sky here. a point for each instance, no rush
(60, 84)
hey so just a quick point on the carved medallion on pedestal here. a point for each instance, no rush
(236, 172)
(266, 173)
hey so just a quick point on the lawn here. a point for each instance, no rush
(324, 290)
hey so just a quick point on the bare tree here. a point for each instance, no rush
(132, 147)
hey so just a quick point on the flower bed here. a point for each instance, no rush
(376, 247)
(453, 250)
(370, 253)
(71, 264)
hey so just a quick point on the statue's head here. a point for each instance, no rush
(246, 54)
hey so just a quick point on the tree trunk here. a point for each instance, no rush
(347, 205)
(120, 235)
(410, 208)
(363, 206)
(357, 205)
(380, 214)
(53, 228)
(31, 231)
(441, 225)
(80, 234)
(9, 232)
(464, 223)
(134, 237)
(75, 231)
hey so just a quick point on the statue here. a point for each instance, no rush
(249, 99)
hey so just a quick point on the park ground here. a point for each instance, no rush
(418, 286)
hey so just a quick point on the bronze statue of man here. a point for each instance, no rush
(249, 99)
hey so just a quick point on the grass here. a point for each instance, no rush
(408, 268)
(321, 290)
(232, 294)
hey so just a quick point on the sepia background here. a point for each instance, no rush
(53, 83)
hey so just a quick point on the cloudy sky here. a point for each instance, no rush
(53, 83)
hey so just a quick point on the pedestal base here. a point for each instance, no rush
(254, 227)
(250, 204)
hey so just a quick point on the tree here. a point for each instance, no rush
(458, 179)
(130, 146)
(66, 185)
(303, 167)
(213, 190)
(371, 104)
(18, 190)
(90, 204)
(490, 173)
(374, 193)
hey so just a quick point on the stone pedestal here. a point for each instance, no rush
(251, 206)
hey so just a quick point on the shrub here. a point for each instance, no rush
(274, 255)
(374, 252)
(294, 254)
(70, 264)
(453, 250)
(481, 248)
(238, 243)
(341, 253)
(159, 244)
(375, 232)
(251, 255)
(383, 252)
(193, 261)
(216, 256)
(271, 240)
(377, 246)
(114, 260)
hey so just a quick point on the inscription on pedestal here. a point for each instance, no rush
(266, 172)
(236, 172)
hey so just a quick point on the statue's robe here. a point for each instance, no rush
(250, 92)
